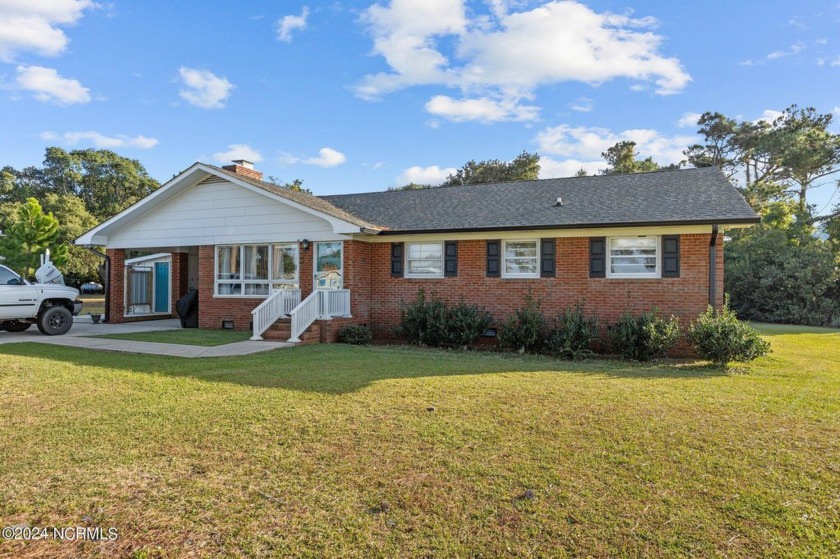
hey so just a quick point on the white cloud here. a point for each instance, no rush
(510, 54)
(33, 26)
(433, 175)
(551, 168)
(769, 115)
(835, 61)
(688, 120)
(203, 88)
(795, 48)
(238, 151)
(100, 140)
(582, 105)
(588, 143)
(836, 111)
(287, 24)
(327, 157)
(49, 87)
(482, 109)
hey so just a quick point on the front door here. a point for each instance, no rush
(162, 281)
(329, 265)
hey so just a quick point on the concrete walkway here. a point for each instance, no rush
(83, 327)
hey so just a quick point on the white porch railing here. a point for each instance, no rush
(279, 304)
(321, 304)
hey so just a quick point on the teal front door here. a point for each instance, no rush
(161, 287)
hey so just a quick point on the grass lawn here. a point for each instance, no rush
(329, 451)
(186, 336)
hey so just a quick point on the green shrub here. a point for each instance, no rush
(525, 329)
(354, 334)
(720, 337)
(423, 322)
(573, 334)
(465, 324)
(644, 337)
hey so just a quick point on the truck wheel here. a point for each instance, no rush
(55, 321)
(15, 326)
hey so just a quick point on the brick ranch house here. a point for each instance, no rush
(293, 266)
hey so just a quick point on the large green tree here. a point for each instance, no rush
(623, 158)
(81, 265)
(770, 160)
(106, 182)
(526, 166)
(28, 233)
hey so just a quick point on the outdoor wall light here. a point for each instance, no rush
(227, 325)
(305, 244)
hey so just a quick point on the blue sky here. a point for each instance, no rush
(360, 96)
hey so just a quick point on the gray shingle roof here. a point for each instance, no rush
(686, 196)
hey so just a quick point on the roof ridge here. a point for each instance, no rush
(612, 176)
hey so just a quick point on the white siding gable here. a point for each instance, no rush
(216, 211)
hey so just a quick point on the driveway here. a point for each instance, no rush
(83, 328)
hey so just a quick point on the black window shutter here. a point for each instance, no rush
(397, 260)
(670, 256)
(493, 258)
(547, 258)
(450, 259)
(597, 257)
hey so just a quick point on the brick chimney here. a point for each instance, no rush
(244, 168)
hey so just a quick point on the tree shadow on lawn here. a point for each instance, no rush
(770, 329)
(340, 369)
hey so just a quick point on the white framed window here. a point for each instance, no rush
(424, 260)
(520, 259)
(251, 270)
(285, 272)
(634, 257)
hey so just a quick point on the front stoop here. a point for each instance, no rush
(282, 330)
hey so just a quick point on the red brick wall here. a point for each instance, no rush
(376, 296)
(116, 286)
(180, 278)
(686, 296)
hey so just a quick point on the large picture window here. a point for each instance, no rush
(633, 257)
(424, 260)
(520, 259)
(249, 270)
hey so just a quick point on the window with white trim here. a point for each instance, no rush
(633, 257)
(424, 260)
(520, 259)
(249, 270)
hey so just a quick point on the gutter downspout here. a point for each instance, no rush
(713, 266)
(107, 280)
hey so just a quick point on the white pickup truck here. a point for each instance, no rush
(48, 304)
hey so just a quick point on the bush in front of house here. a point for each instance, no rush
(524, 330)
(721, 338)
(644, 337)
(355, 335)
(573, 334)
(465, 324)
(423, 321)
(429, 322)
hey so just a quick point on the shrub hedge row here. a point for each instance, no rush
(717, 336)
